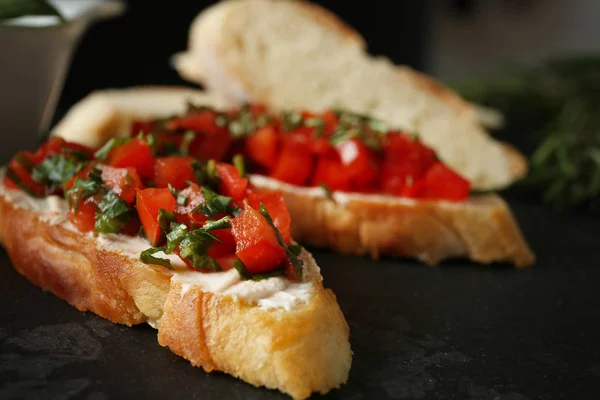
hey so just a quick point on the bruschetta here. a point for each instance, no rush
(138, 235)
(350, 181)
(290, 54)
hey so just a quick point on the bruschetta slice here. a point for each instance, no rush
(290, 54)
(136, 235)
(350, 181)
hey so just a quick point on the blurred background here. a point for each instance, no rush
(534, 60)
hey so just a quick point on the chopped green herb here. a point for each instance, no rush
(317, 123)
(263, 120)
(112, 213)
(245, 275)
(222, 223)
(221, 120)
(214, 203)
(102, 153)
(238, 162)
(290, 120)
(165, 218)
(178, 232)
(292, 254)
(194, 247)
(147, 257)
(56, 170)
(188, 138)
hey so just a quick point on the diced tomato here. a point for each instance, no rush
(359, 163)
(321, 146)
(395, 177)
(275, 204)
(24, 176)
(231, 183)
(122, 181)
(443, 183)
(226, 262)
(83, 216)
(211, 147)
(175, 170)
(258, 108)
(57, 145)
(415, 190)
(183, 212)
(143, 127)
(261, 147)
(295, 162)
(227, 247)
(83, 174)
(256, 244)
(203, 122)
(135, 153)
(329, 172)
(399, 148)
(331, 121)
(148, 203)
(290, 270)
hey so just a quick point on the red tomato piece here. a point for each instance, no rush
(175, 170)
(256, 244)
(275, 204)
(122, 181)
(24, 175)
(203, 122)
(226, 262)
(290, 270)
(262, 146)
(295, 162)
(136, 154)
(321, 146)
(399, 148)
(143, 127)
(329, 172)
(84, 218)
(83, 174)
(445, 184)
(359, 163)
(331, 121)
(227, 247)
(232, 184)
(184, 213)
(148, 203)
(395, 177)
(211, 147)
(56, 145)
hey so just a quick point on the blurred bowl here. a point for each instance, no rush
(36, 54)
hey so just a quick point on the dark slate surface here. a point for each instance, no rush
(456, 332)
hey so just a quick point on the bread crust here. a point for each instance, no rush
(482, 228)
(298, 352)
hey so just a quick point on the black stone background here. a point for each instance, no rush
(460, 331)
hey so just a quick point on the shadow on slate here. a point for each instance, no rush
(460, 331)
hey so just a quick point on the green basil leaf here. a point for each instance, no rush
(245, 275)
(112, 213)
(238, 162)
(214, 203)
(292, 254)
(10, 9)
(178, 232)
(56, 170)
(222, 223)
(147, 258)
(102, 153)
(188, 138)
(165, 218)
(318, 124)
(194, 247)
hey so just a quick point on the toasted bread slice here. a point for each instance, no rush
(297, 55)
(272, 333)
(481, 228)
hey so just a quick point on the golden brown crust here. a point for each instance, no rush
(518, 163)
(300, 351)
(482, 229)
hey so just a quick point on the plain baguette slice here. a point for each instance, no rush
(482, 228)
(299, 351)
(297, 55)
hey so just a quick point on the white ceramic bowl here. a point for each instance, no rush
(35, 53)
